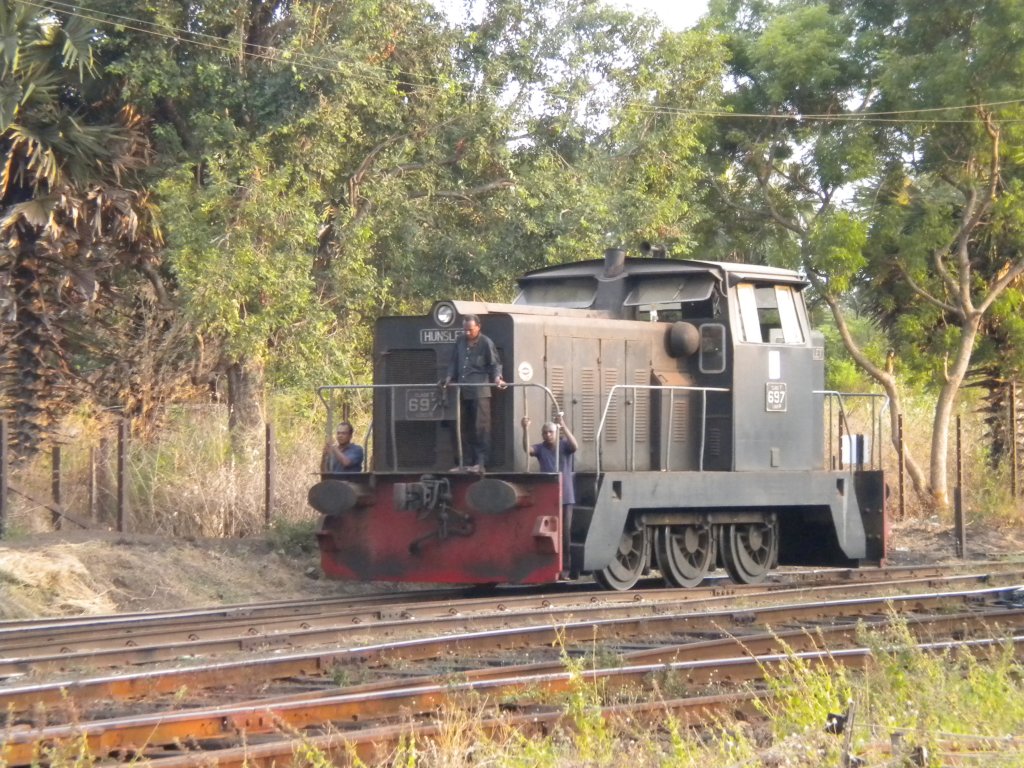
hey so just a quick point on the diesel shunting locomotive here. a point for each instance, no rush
(706, 438)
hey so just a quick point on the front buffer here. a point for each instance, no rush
(443, 528)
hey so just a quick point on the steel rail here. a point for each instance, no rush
(507, 594)
(97, 632)
(559, 629)
(959, 625)
(137, 734)
(451, 620)
(77, 636)
(373, 745)
(44, 627)
(113, 631)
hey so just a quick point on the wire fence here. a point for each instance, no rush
(109, 481)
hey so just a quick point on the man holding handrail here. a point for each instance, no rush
(475, 361)
(342, 455)
(556, 454)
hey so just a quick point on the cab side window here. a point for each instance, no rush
(768, 314)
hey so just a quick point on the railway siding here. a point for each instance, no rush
(650, 640)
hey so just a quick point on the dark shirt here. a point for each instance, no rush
(546, 460)
(353, 453)
(476, 363)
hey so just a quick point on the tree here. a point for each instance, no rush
(364, 158)
(606, 117)
(69, 222)
(870, 185)
(777, 179)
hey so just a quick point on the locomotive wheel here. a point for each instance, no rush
(685, 553)
(629, 563)
(750, 550)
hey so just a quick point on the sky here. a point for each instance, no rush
(674, 14)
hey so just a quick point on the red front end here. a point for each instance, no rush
(444, 528)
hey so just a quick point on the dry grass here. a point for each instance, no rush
(186, 481)
(29, 580)
(907, 704)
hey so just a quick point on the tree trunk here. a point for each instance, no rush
(885, 379)
(26, 368)
(245, 403)
(944, 410)
(106, 482)
(914, 471)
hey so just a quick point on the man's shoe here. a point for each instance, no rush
(457, 469)
(473, 468)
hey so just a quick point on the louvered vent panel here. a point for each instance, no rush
(417, 444)
(681, 419)
(714, 442)
(556, 383)
(410, 366)
(588, 402)
(641, 405)
(611, 424)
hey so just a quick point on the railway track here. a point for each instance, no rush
(709, 639)
(141, 639)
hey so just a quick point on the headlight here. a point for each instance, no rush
(444, 314)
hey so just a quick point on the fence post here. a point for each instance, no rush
(55, 487)
(960, 532)
(3, 477)
(902, 464)
(122, 473)
(268, 478)
(92, 482)
(840, 443)
(1013, 439)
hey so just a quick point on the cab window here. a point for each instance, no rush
(768, 314)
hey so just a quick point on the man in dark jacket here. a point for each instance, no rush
(475, 362)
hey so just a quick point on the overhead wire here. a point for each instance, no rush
(308, 61)
(839, 117)
(299, 59)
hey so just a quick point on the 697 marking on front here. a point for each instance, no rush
(775, 396)
(423, 404)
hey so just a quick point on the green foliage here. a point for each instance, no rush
(592, 736)
(73, 222)
(243, 259)
(929, 695)
(296, 538)
(841, 373)
(803, 693)
(889, 171)
(803, 48)
(836, 241)
(361, 168)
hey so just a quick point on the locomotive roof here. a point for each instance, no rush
(658, 267)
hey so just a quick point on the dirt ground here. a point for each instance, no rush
(97, 572)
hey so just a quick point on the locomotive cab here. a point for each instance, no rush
(695, 391)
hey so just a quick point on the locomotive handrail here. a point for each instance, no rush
(434, 384)
(834, 396)
(672, 389)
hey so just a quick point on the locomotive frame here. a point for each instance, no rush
(696, 393)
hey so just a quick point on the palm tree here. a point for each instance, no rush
(68, 219)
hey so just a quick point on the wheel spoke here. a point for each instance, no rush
(629, 563)
(685, 553)
(750, 550)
